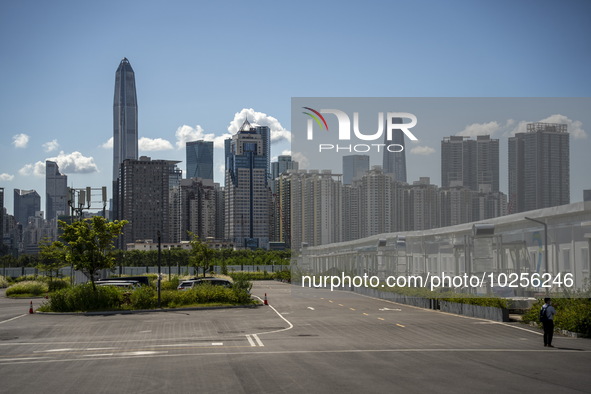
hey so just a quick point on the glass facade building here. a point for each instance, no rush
(125, 125)
(200, 159)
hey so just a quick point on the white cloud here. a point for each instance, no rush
(302, 160)
(51, 146)
(20, 140)
(186, 133)
(476, 129)
(37, 169)
(108, 144)
(6, 177)
(422, 150)
(149, 144)
(278, 132)
(71, 163)
(574, 127)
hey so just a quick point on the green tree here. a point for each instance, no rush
(52, 257)
(201, 254)
(89, 244)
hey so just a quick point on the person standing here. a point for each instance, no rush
(547, 318)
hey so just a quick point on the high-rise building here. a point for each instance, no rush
(395, 162)
(539, 172)
(125, 125)
(354, 167)
(200, 159)
(146, 199)
(247, 191)
(198, 208)
(473, 164)
(27, 203)
(56, 191)
(283, 163)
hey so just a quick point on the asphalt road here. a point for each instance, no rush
(307, 340)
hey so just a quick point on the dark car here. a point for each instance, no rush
(189, 284)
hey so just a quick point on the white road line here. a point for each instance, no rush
(250, 341)
(14, 318)
(217, 344)
(54, 350)
(310, 308)
(256, 338)
(278, 314)
(22, 359)
(98, 355)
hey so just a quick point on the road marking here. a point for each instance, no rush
(22, 359)
(100, 348)
(251, 341)
(341, 305)
(389, 309)
(146, 331)
(14, 318)
(98, 355)
(353, 309)
(38, 360)
(381, 318)
(217, 344)
(53, 350)
(400, 325)
(278, 314)
(258, 340)
(330, 301)
(310, 308)
(142, 353)
(366, 314)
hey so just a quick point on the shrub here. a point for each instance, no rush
(83, 298)
(572, 314)
(144, 297)
(35, 288)
(57, 284)
(171, 284)
(3, 282)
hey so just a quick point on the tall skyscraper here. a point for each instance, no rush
(26, 204)
(145, 188)
(354, 168)
(247, 191)
(200, 159)
(539, 167)
(125, 128)
(1, 217)
(473, 164)
(395, 162)
(56, 191)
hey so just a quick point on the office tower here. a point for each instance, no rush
(198, 208)
(423, 205)
(200, 159)
(394, 163)
(56, 191)
(376, 203)
(473, 164)
(279, 167)
(27, 203)
(354, 167)
(539, 172)
(146, 198)
(283, 163)
(125, 126)
(247, 191)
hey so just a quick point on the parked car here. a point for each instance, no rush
(127, 285)
(191, 283)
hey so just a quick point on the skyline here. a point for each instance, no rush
(201, 69)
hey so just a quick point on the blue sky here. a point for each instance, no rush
(198, 64)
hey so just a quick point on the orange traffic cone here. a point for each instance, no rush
(265, 300)
(31, 308)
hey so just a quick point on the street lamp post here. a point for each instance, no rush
(545, 243)
(159, 265)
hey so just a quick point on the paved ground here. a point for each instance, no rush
(305, 341)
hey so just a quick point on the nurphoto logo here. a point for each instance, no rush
(392, 121)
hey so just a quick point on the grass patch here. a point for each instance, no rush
(27, 288)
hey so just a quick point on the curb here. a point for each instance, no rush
(133, 312)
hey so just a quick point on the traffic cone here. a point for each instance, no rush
(31, 308)
(265, 300)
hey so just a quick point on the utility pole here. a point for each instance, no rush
(545, 244)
